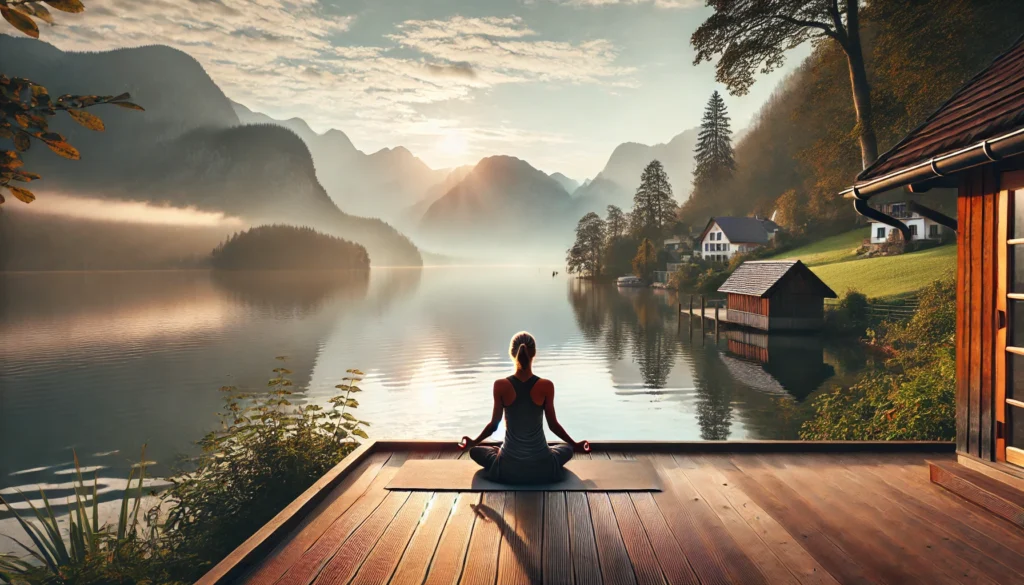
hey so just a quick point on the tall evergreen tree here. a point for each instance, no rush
(586, 256)
(714, 155)
(616, 222)
(654, 209)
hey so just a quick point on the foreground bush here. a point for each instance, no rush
(913, 397)
(266, 454)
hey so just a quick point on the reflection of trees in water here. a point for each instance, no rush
(714, 389)
(631, 318)
(291, 293)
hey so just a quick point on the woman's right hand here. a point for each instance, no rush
(466, 443)
(583, 446)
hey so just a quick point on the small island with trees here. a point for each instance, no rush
(285, 247)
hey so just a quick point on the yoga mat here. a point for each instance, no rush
(600, 475)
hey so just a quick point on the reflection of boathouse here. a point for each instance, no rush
(776, 295)
(777, 364)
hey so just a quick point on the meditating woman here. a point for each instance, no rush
(524, 457)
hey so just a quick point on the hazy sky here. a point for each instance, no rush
(559, 83)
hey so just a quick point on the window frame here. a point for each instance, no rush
(1011, 184)
(880, 233)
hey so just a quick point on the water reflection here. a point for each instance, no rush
(106, 362)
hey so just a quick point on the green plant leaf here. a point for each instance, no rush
(360, 433)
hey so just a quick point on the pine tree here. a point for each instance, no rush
(654, 209)
(714, 156)
(616, 222)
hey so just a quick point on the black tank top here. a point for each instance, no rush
(524, 425)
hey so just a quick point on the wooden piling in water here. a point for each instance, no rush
(702, 313)
(717, 321)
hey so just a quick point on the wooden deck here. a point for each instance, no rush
(748, 515)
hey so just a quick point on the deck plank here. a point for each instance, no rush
(556, 558)
(705, 552)
(519, 562)
(674, 566)
(613, 559)
(854, 527)
(446, 566)
(585, 563)
(774, 570)
(971, 526)
(645, 563)
(383, 559)
(412, 568)
(285, 554)
(343, 565)
(313, 559)
(481, 566)
(800, 562)
(962, 558)
(789, 509)
(888, 520)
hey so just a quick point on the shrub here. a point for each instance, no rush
(913, 397)
(267, 453)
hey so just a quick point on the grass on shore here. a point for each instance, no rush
(834, 260)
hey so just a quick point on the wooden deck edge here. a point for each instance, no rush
(996, 470)
(270, 534)
(979, 489)
(720, 446)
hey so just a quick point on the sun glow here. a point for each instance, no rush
(453, 143)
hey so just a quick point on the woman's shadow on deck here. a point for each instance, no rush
(520, 548)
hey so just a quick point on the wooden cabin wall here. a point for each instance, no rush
(748, 304)
(976, 312)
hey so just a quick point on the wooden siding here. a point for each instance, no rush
(747, 319)
(977, 274)
(748, 304)
(727, 515)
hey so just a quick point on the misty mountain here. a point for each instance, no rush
(503, 203)
(568, 184)
(382, 184)
(409, 218)
(187, 149)
(619, 179)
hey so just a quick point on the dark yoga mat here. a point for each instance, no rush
(601, 475)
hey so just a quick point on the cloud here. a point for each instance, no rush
(289, 57)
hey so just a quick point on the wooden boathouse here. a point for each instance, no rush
(751, 513)
(776, 295)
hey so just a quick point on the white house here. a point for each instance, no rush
(921, 228)
(724, 237)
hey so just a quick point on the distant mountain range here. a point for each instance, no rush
(619, 179)
(382, 184)
(195, 147)
(188, 148)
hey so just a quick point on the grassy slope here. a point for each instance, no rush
(833, 260)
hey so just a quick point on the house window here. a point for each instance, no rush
(707, 247)
(913, 230)
(725, 247)
(933, 231)
(880, 234)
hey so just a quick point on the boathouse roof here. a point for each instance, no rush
(982, 122)
(758, 278)
(743, 230)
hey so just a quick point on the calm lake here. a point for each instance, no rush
(104, 363)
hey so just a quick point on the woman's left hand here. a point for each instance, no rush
(466, 443)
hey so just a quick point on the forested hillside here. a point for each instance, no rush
(803, 147)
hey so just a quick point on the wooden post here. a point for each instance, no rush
(716, 322)
(689, 317)
(702, 313)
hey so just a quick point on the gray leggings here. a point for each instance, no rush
(523, 472)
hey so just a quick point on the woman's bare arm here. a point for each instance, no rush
(553, 424)
(492, 426)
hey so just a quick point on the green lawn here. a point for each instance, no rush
(833, 249)
(834, 261)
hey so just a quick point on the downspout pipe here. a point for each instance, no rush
(936, 216)
(984, 152)
(862, 207)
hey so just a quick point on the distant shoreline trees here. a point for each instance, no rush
(285, 247)
(586, 257)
